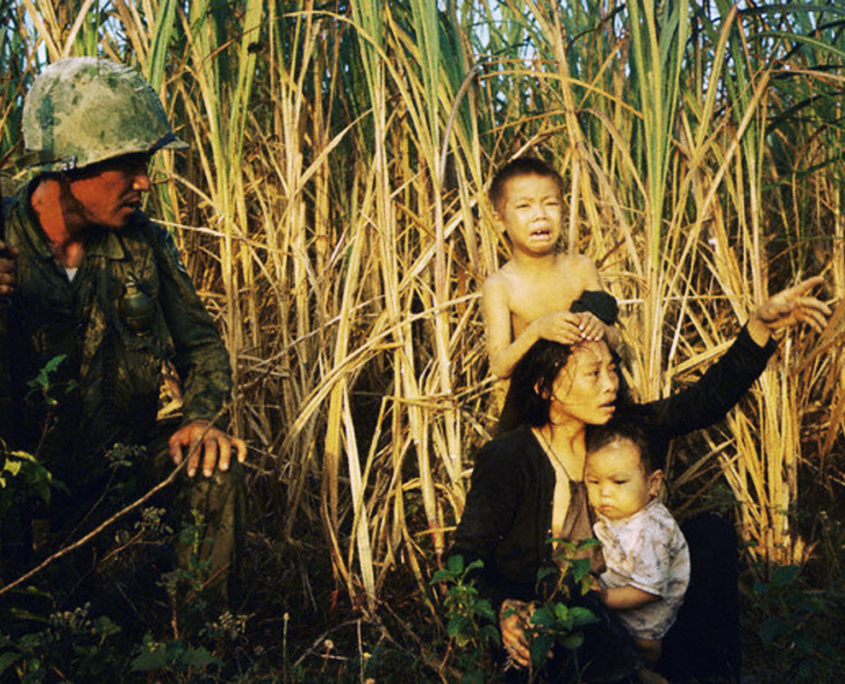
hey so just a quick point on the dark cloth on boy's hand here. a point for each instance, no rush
(601, 304)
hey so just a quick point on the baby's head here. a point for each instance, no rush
(523, 193)
(620, 476)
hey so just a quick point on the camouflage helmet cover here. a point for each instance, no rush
(82, 110)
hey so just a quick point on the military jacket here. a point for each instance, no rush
(130, 307)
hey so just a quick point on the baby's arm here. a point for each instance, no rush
(624, 598)
(504, 354)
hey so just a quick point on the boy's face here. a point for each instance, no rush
(530, 213)
(617, 485)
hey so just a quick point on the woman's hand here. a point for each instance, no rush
(793, 305)
(514, 617)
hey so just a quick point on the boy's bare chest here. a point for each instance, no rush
(540, 298)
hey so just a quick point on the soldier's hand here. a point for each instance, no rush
(8, 257)
(214, 448)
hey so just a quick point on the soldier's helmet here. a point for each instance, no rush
(83, 110)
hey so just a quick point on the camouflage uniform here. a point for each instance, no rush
(130, 307)
(113, 359)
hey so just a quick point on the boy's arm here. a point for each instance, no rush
(504, 354)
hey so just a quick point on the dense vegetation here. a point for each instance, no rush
(332, 211)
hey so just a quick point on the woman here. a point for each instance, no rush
(527, 485)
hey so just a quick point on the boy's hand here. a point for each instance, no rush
(562, 326)
(209, 448)
(592, 327)
(569, 328)
(598, 587)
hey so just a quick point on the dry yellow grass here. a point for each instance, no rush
(332, 211)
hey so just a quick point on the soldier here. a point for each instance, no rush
(97, 290)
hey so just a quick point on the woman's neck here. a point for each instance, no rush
(565, 447)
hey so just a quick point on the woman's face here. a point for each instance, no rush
(585, 389)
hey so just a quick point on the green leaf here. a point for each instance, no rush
(7, 660)
(474, 677)
(489, 634)
(457, 625)
(542, 573)
(53, 364)
(573, 641)
(805, 669)
(772, 628)
(582, 616)
(24, 614)
(543, 617)
(455, 564)
(806, 642)
(148, 661)
(484, 608)
(539, 649)
(783, 575)
(561, 611)
(580, 568)
(199, 658)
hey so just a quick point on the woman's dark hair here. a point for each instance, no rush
(533, 378)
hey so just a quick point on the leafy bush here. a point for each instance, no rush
(804, 623)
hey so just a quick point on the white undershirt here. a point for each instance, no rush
(71, 273)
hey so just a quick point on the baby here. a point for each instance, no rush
(648, 566)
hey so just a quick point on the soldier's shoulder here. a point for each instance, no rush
(10, 191)
(144, 229)
(10, 187)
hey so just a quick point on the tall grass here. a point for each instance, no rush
(332, 211)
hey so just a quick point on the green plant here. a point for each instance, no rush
(194, 572)
(804, 623)
(173, 657)
(43, 383)
(21, 472)
(472, 620)
(73, 643)
(556, 622)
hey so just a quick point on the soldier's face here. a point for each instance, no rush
(108, 193)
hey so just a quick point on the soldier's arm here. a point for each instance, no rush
(8, 256)
(201, 359)
(203, 365)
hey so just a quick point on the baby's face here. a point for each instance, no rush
(617, 485)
